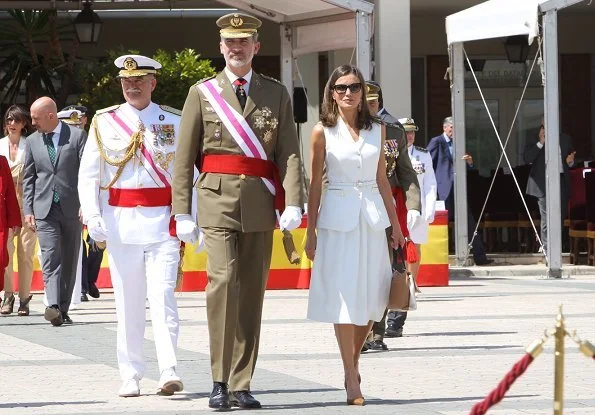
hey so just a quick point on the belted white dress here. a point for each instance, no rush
(351, 274)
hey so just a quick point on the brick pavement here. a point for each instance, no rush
(456, 348)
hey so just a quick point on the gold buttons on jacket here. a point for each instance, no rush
(243, 176)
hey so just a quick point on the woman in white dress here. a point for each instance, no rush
(17, 123)
(346, 239)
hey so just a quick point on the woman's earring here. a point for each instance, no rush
(359, 106)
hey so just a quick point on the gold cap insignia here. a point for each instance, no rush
(236, 21)
(130, 64)
(238, 25)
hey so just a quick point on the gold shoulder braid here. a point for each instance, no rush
(136, 142)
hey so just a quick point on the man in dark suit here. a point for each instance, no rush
(51, 202)
(442, 151)
(535, 156)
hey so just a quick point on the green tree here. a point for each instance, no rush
(34, 57)
(179, 71)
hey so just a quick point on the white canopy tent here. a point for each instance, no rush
(500, 18)
(306, 26)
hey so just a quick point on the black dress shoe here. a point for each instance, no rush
(392, 331)
(483, 261)
(53, 315)
(244, 400)
(378, 345)
(66, 319)
(84, 297)
(219, 398)
(93, 290)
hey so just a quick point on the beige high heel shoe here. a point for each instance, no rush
(7, 304)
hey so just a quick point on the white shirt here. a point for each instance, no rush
(232, 78)
(5, 151)
(56, 136)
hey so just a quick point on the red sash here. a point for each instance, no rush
(148, 197)
(410, 251)
(250, 166)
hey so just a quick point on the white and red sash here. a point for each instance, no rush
(237, 126)
(152, 168)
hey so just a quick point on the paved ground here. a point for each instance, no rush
(458, 345)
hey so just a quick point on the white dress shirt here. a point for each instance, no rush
(232, 78)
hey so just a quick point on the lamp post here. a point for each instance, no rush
(517, 49)
(87, 25)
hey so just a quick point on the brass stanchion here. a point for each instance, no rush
(559, 335)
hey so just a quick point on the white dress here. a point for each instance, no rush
(421, 160)
(351, 273)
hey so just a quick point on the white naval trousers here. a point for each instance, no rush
(139, 272)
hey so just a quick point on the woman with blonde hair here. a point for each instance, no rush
(346, 234)
(17, 125)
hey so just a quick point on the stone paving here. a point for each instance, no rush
(456, 348)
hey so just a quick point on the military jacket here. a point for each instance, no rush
(238, 202)
(150, 167)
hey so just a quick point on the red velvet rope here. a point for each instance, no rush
(497, 394)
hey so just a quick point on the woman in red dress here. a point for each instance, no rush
(10, 213)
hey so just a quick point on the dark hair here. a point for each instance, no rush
(330, 110)
(19, 114)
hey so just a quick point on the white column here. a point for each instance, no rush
(552, 144)
(392, 54)
(286, 34)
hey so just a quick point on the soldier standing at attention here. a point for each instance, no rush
(125, 191)
(238, 128)
(405, 187)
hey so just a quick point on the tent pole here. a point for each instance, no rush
(552, 144)
(460, 167)
(363, 32)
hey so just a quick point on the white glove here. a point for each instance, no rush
(412, 218)
(97, 229)
(291, 218)
(186, 229)
(429, 216)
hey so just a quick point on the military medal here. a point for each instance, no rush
(161, 117)
(268, 136)
(164, 134)
(391, 151)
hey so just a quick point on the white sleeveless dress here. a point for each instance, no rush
(351, 273)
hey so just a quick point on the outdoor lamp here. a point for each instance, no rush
(87, 25)
(517, 48)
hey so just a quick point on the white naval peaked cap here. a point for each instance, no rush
(72, 116)
(136, 65)
(408, 124)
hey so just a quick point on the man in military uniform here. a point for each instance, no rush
(403, 181)
(238, 128)
(125, 190)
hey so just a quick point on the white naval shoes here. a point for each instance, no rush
(130, 388)
(169, 382)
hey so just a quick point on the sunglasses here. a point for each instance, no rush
(342, 88)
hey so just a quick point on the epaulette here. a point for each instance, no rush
(206, 79)
(108, 109)
(270, 78)
(167, 108)
(423, 150)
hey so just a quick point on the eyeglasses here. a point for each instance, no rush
(342, 88)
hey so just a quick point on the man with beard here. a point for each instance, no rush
(125, 191)
(238, 128)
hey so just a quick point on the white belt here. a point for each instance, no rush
(359, 185)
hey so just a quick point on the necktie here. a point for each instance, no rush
(47, 138)
(240, 92)
(450, 147)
